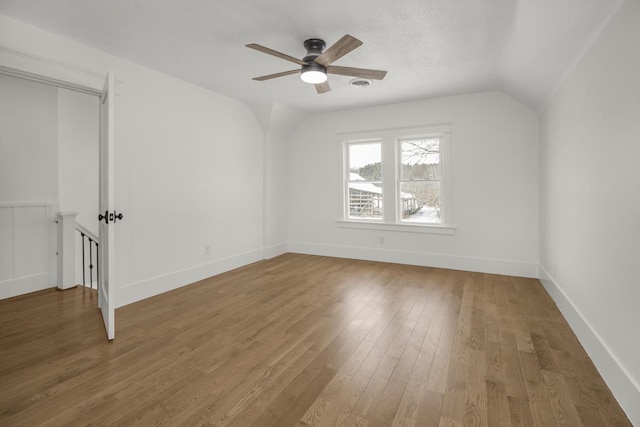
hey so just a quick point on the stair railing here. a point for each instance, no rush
(92, 241)
(68, 251)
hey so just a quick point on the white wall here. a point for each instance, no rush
(494, 161)
(590, 208)
(78, 127)
(28, 185)
(28, 140)
(279, 126)
(188, 167)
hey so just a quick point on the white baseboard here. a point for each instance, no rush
(24, 285)
(274, 251)
(147, 288)
(623, 386)
(455, 262)
(92, 285)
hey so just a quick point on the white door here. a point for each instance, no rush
(106, 229)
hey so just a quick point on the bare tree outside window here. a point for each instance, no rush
(420, 177)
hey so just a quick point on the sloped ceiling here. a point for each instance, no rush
(430, 48)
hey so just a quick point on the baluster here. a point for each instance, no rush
(84, 281)
(90, 264)
(97, 267)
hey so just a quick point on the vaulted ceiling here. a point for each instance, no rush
(430, 48)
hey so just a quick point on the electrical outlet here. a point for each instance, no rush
(207, 249)
(381, 240)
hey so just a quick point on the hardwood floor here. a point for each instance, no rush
(304, 340)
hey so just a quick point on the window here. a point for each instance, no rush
(420, 176)
(396, 179)
(364, 181)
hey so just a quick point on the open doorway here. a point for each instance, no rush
(49, 138)
(57, 145)
(78, 166)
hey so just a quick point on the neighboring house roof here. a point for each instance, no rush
(369, 187)
(365, 186)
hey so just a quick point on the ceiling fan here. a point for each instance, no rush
(316, 64)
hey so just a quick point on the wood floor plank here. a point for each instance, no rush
(437, 380)
(562, 403)
(498, 413)
(302, 340)
(476, 399)
(520, 412)
(514, 378)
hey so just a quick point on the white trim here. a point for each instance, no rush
(404, 132)
(404, 227)
(274, 251)
(48, 70)
(624, 387)
(47, 80)
(447, 177)
(426, 259)
(25, 204)
(157, 285)
(390, 187)
(25, 284)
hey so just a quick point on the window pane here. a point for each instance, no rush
(365, 186)
(365, 161)
(420, 159)
(420, 201)
(365, 200)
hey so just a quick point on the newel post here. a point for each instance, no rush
(66, 249)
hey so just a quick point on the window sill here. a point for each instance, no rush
(406, 228)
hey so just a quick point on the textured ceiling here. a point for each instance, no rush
(429, 47)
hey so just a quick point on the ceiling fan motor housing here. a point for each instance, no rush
(314, 49)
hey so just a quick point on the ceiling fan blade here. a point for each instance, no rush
(323, 87)
(275, 53)
(273, 76)
(337, 50)
(357, 72)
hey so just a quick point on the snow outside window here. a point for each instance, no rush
(420, 175)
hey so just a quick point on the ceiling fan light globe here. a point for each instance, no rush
(313, 77)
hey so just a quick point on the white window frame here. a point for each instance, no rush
(392, 218)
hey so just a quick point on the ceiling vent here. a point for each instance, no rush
(358, 82)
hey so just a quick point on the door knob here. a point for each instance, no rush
(105, 217)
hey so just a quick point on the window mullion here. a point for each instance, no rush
(389, 180)
(445, 181)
